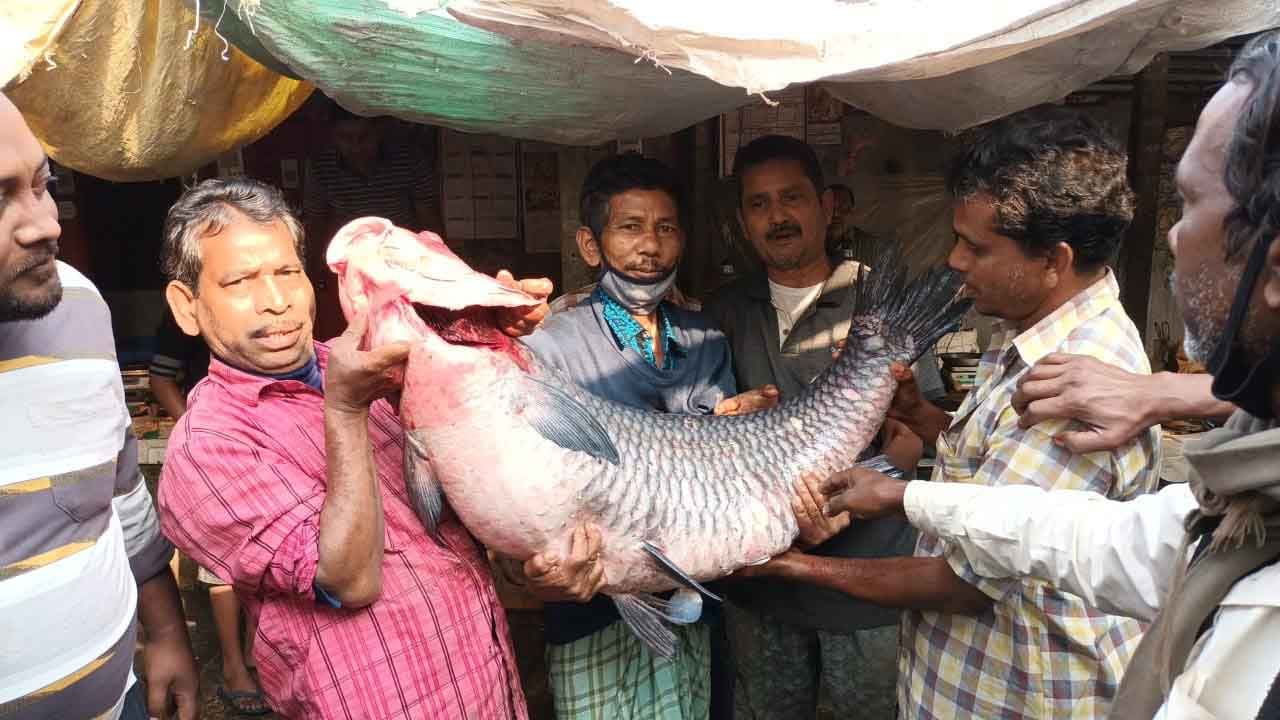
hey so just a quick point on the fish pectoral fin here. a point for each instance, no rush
(675, 572)
(424, 489)
(646, 623)
(881, 464)
(564, 421)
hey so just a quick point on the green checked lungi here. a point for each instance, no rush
(611, 675)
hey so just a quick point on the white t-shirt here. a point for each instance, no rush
(791, 303)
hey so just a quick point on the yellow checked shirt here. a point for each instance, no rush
(1037, 652)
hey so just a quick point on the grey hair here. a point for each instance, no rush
(206, 209)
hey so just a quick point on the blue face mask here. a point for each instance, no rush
(639, 297)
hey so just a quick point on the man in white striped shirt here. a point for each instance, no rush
(82, 560)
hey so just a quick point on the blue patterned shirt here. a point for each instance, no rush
(629, 333)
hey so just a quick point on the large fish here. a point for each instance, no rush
(524, 455)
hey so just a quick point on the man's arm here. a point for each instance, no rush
(351, 536)
(170, 667)
(1114, 404)
(910, 407)
(1118, 556)
(918, 583)
(168, 394)
(166, 366)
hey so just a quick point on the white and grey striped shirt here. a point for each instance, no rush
(78, 530)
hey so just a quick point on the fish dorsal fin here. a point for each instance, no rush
(564, 421)
(675, 572)
(646, 622)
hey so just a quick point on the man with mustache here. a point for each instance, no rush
(285, 478)
(628, 342)
(82, 560)
(783, 324)
(1040, 204)
(1198, 560)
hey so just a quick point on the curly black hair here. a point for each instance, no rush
(1252, 173)
(617, 174)
(1055, 176)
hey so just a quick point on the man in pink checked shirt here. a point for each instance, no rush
(284, 478)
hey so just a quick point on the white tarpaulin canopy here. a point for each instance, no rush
(938, 64)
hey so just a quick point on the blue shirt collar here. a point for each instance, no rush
(629, 334)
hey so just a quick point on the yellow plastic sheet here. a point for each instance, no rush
(119, 94)
(27, 30)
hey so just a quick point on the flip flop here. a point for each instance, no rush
(244, 702)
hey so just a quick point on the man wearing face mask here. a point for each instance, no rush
(627, 342)
(1198, 560)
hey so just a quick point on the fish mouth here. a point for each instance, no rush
(474, 326)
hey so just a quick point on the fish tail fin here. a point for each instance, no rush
(913, 310)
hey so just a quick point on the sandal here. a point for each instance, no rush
(244, 702)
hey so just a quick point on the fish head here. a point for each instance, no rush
(416, 290)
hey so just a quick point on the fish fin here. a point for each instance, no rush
(647, 624)
(424, 489)
(909, 310)
(881, 464)
(564, 421)
(675, 572)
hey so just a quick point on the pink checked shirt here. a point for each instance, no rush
(241, 492)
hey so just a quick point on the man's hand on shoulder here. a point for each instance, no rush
(1113, 404)
(518, 322)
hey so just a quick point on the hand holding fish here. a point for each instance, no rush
(761, 398)
(518, 322)
(576, 578)
(864, 494)
(902, 446)
(355, 378)
(816, 526)
(907, 401)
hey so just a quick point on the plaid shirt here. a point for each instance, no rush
(241, 492)
(1037, 652)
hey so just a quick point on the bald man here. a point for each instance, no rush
(82, 560)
